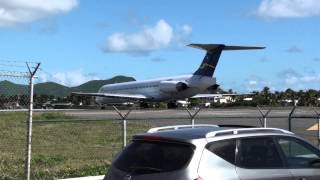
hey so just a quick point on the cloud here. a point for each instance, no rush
(255, 83)
(49, 27)
(158, 59)
(294, 49)
(151, 38)
(183, 34)
(311, 78)
(71, 78)
(289, 78)
(288, 8)
(288, 72)
(263, 59)
(134, 19)
(102, 25)
(186, 29)
(317, 59)
(14, 12)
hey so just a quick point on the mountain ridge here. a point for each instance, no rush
(9, 88)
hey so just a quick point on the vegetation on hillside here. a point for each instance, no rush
(8, 88)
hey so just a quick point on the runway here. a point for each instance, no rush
(182, 113)
(302, 119)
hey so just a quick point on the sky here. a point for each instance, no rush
(81, 40)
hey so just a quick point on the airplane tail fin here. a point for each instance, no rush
(211, 59)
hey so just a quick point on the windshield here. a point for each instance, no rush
(145, 157)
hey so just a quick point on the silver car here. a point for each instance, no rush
(208, 152)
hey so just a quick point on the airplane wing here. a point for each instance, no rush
(206, 95)
(218, 95)
(111, 95)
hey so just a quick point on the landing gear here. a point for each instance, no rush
(172, 105)
(144, 105)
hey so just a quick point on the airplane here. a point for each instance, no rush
(169, 89)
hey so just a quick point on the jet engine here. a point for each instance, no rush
(173, 86)
(213, 87)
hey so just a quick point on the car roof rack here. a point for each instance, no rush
(165, 128)
(245, 131)
(236, 126)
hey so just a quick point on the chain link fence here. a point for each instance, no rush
(305, 123)
(14, 100)
(73, 149)
(75, 143)
(16, 93)
(79, 143)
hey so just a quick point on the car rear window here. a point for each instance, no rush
(146, 157)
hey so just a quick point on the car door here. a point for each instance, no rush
(302, 159)
(259, 159)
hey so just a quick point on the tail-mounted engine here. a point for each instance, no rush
(173, 86)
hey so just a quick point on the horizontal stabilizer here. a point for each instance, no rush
(219, 95)
(111, 95)
(210, 61)
(213, 47)
(206, 96)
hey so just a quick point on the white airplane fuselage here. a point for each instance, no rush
(170, 88)
(159, 90)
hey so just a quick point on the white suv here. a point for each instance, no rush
(209, 152)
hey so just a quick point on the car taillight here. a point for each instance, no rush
(198, 178)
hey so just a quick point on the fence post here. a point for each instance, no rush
(29, 122)
(192, 116)
(318, 121)
(290, 118)
(318, 131)
(264, 115)
(124, 124)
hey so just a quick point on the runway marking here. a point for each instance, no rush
(313, 128)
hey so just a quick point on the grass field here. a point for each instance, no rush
(59, 149)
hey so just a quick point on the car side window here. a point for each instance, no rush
(226, 149)
(258, 153)
(299, 154)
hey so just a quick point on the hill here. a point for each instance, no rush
(51, 89)
(58, 90)
(9, 88)
(94, 85)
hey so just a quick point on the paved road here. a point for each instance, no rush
(305, 117)
(181, 113)
(278, 117)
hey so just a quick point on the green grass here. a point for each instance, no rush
(60, 149)
(51, 116)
